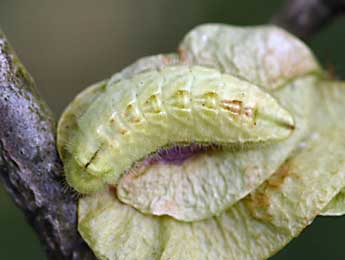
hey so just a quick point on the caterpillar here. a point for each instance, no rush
(135, 117)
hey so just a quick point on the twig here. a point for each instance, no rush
(305, 17)
(29, 165)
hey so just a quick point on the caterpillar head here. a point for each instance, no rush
(186, 156)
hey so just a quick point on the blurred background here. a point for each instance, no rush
(68, 45)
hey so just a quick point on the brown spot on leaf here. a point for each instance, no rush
(258, 204)
(277, 179)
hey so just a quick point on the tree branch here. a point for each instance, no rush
(305, 17)
(29, 165)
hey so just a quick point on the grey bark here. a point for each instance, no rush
(30, 168)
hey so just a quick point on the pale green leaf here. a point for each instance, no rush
(265, 55)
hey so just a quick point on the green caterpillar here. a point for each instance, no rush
(135, 117)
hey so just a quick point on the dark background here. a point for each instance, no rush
(68, 45)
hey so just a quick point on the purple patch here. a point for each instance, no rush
(177, 154)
